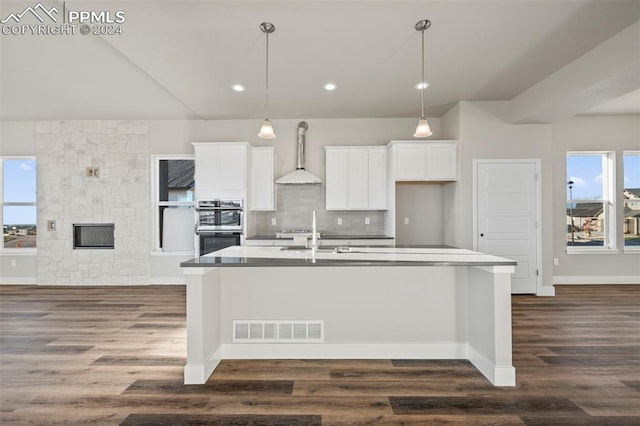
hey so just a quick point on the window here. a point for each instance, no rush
(175, 190)
(631, 196)
(590, 201)
(18, 202)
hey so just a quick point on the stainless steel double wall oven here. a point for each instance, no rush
(218, 224)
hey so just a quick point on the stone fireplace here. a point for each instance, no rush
(94, 174)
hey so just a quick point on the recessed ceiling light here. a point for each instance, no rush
(238, 87)
(330, 86)
(424, 85)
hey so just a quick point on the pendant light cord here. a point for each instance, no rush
(267, 80)
(422, 83)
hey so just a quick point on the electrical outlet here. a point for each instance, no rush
(92, 172)
(273, 221)
(13, 263)
(367, 221)
(406, 220)
(555, 261)
(339, 221)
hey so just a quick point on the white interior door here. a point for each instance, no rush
(507, 217)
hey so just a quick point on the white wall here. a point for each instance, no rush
(17, 138)
(422, 205)
(482, 135)
(598, 133)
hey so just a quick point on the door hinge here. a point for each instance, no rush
(537, 272)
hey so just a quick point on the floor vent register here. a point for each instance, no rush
(277, 331)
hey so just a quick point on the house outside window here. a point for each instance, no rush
(631, 196)
(18, 209)
(174, 190)
(590, 208)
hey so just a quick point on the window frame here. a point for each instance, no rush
(625, 248)
(11, 250)
(155, 195)
(608, 201)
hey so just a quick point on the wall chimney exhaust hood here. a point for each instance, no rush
(300, 176)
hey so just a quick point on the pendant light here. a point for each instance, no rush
(266, 131)
(422, 130)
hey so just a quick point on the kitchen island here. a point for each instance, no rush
(359, 303)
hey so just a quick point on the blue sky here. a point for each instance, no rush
(586, 173)
(19, 186)
(632, 171)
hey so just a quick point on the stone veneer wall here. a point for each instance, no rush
(120, 195)
(295, 204)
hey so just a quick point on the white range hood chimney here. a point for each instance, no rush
(300, 176)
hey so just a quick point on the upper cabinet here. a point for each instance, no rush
(221, 169)
(262, 190)
(425, 160)
(356, 178)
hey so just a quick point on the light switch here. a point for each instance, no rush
(406, 220)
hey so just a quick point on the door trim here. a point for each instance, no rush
(538, 167)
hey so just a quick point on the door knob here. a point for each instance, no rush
(482, 235)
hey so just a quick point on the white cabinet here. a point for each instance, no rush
(378, 178)
(425, 161)
(221, 169)
(262, 189)
(337, 195)
(356, 178)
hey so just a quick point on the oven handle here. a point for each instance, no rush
(208, 209)
(221, 232)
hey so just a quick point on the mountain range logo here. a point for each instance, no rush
(38, 10)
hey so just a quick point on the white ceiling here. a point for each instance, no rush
(624, 105)
(179, 59)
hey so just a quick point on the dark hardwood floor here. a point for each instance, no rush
(114, 355)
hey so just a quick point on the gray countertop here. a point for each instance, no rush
(243, 256)
(326, 237)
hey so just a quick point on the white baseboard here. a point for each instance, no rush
(344, 351)
(596, 279)
(198, 374)
(499, 375)
(546, 291)
(168, 280)
(17, 281)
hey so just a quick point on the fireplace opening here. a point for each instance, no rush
(93, 236)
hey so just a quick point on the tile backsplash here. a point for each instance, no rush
(295, 204)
